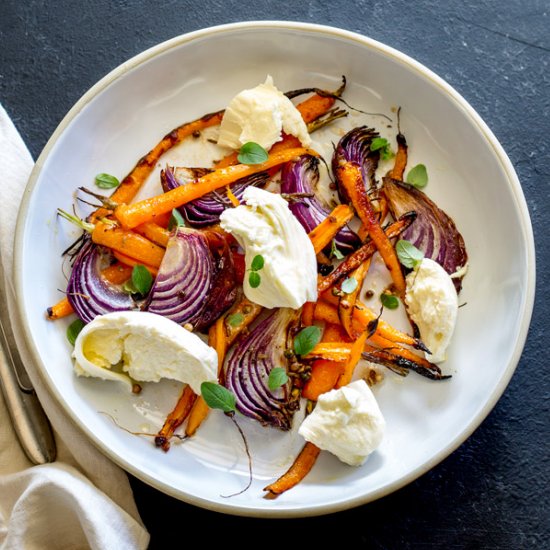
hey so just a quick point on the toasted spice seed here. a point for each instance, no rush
(136, 388)
(369, 294)
(197, 134)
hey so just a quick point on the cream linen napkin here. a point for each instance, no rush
(82, 500)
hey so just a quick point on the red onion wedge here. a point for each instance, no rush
(196, 279)
(433, 231)
(355, 147)
(248, 366)
(206, 210)
(88, 292)
(299, 179)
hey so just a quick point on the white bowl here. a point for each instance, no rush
(124, 115)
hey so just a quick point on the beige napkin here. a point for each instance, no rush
(82, 500)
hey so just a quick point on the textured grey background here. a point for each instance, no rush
(493, 491)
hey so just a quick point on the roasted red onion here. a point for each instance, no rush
(196, 279)
(88, 292)
(355, 147)
(207, 209)
(248, 366)
(298, 180)
(433, 231)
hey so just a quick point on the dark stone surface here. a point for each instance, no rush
(493, 491)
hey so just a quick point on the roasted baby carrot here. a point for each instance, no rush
(63, 308)
(323, 234)
(131, 215)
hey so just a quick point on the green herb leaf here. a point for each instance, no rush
(106, 181)
(235, 319)
(257, 263)
(73, 330)
(349, 285)
(389, 301)
(418, 176)
(252, 153)
(306, 340)
(254, 279)
(218, 397)
(334, 252)
(381, 144)
(142, 279)
(277, 378)
(176, 220)
(408, 254)
(129, 287)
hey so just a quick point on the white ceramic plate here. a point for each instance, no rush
(125, 114)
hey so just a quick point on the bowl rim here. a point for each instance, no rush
(321, 30)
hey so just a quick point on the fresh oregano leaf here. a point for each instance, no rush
(408, 254)
(235, 319)
(349, 285)
(277, 378)
(254, 279)
(306, 340)
(106, 181)
(334, 252)
(418, 176)
(218, 397)
(176, 220)
(73, 330)
(142, 279)
(381, 144)
(257, 262)
(389, 301)
(252, 153)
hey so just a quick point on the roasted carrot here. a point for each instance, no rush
(354, 357)
(117, 273)
(131, 262)
(346, 304)
(307, 313)
(296, 473)
(131, 215)
(401, 155)
(154, 232)
(175, 418)
(323, 234)
(324, 376)
(128, 243)
(63, 308)
(131, 184)
(350, 178)
(353, 261)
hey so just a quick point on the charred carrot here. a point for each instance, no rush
(363, 253)
(175, 418)
(154, 232)
(354, 357)
(131, 215)
(117, 273)
(296, 473)
(323, 234)
(346, 304)
(128, 243)
(63, 308)
(324, 376)
(350, 177)
(307, 313)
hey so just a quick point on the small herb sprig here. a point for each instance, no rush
(254, 278)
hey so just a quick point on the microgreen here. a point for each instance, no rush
(106, 181)
(408, 254)
(176, 220)
(277, 378)
(389, 301)
(218, 397)
(252, 153)
(140, 282)
(254, 278)
(417, 176)
(334, 252)
(306, 340)
(381, 144)
(235, 319)
(73, 330)
(349, 285)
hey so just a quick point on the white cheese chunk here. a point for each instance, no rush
(260, 115)
(265, 226)
(432, 303)
(346, 422)
(146, 346)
